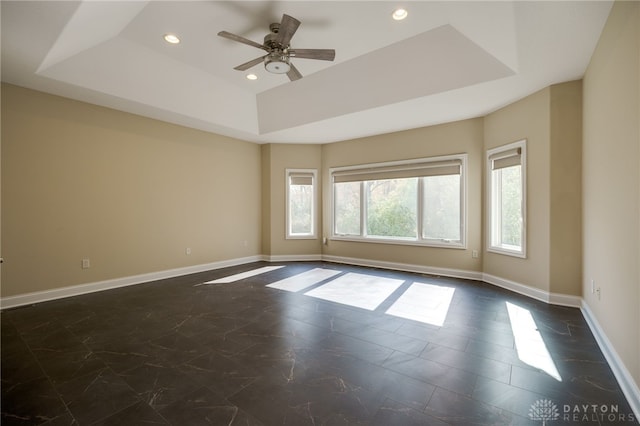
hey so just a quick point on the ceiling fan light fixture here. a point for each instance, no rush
(171, 38)
(399, 14)
(277, 63)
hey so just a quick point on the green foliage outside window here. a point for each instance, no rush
(511, 220)
(392, 208)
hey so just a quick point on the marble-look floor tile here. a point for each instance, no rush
(31, 402)
(243, 275)
(175, 349)
(469, 362)
(159, 385)
(304, 279)
(223, 374)
(173, 352)
(423, 302)
(453, 408)
(205, 407)
(96, 396)
(358, 290)
(137, 414)
(63, 366)
(434, 373)
(394, 413)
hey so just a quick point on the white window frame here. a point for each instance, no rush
(419, 241)
(491, 201)
(314, 206)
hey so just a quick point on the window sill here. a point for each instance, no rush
(398, 241)
(301, 237)
(507, 252)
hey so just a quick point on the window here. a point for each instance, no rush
(506, 173)
(405, 202)
(301, 203)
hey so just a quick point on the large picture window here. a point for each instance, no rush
(506, 187)
(301, 203)
(406, 202)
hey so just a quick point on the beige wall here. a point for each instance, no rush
(266, 199)
(611, 182)
(280, 157)
(551, 122)
(129, 193)
(453, 138)
(527, 119)
(565, 246)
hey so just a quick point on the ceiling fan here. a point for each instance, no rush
(279, 54)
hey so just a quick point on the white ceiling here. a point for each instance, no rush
(447, 61)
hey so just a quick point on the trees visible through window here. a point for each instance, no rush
(506, 187)
(416, 201)
(392, 208)
(301, 199)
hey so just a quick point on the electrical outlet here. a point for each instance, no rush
(86, 264)
(187, 251)
(474, 254)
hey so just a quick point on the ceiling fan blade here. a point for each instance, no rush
(288, 28)
(294, 74)
(322, 54)
(240, 39)
(251, 63)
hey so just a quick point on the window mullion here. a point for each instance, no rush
(420, 207)
(363, 208)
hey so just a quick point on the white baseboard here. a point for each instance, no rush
(625, 379)
(535, 293)
(420, 269)
(76, 290)
(292, 258)
(58, 293)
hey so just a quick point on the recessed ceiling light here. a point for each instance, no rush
(399, 14)
(171, 38)
(252, 77)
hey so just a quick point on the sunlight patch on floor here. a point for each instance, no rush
(422, 302)
(358, 290)
(304, 280)
(529, 343)
(243, 275)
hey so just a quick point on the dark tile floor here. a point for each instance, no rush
(173, 352)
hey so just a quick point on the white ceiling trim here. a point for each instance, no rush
(92, 23)
(439, 60)
(449, 60)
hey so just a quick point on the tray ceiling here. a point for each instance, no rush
(446, 61)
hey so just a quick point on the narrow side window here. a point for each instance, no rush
(301, 203)
(506, 187)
